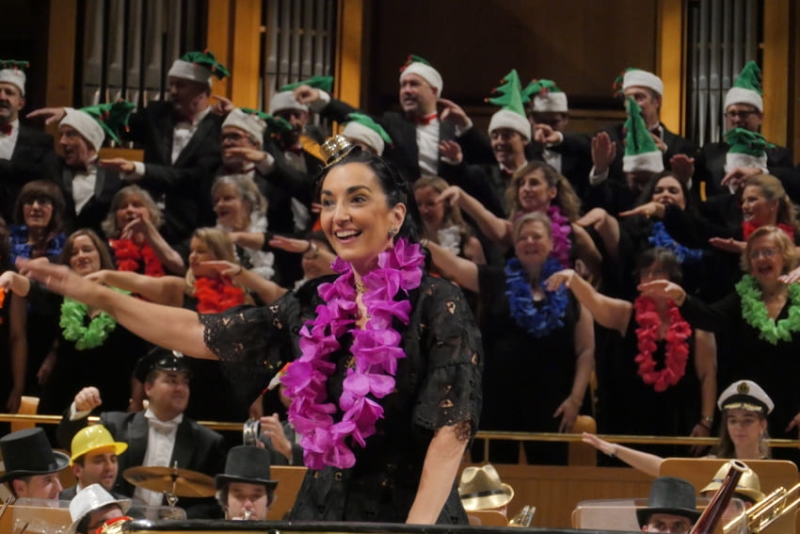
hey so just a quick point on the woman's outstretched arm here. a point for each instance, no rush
(171, 328)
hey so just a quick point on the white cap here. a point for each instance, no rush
(190, 71)
(737, 159)
(550, 102)
(14, 77)
(645, 162)
(355, 131)
(87, 126)
(739, 95)
(642, 78)
(285, 100)
(745, 395)
(250, 123)
(508, 119)
(90, 499)
(427, 73)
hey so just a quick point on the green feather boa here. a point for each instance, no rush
(754, 311)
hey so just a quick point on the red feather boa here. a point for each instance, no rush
(677, 347)
(130, 257)
(215, 295)
(748, 228)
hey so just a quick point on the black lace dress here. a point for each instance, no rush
(438, 384)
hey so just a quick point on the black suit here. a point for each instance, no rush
(96, 208)
(185, 184)
(33, 159)
(196, 448)
(404, 153)
(675, 145)
(710, 166)
(576, 159)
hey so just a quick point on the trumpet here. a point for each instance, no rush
(774, 506)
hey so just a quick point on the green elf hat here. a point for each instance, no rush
(747, 149)
(256, 123)
(325, 83)
(94, 123)
(12, 71)
(547, 97)
(423, 69)
(198, 67)
(747, 88)
(641, 152)
(513, 100)
(638, 78)
(362, 129)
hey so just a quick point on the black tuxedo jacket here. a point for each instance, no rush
(710, 166)
(184, 185)
(404, 153)
(675, 145)
(196, 448)
(576, 159)
(96, 209)
(33, 159)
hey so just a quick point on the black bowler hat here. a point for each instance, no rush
(159, 359)
(27, 453)
(248, 464)
(670, 495)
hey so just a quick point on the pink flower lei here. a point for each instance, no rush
(561, 228)
(375, 349)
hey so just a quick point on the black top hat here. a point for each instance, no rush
(670, 495)
(27, 453)
(248, 464)
(159, 359)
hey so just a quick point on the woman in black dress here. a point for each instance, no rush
(539, 344)
(660, 377)
(410, 418)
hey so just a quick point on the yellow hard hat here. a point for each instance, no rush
(749, 484)
(92, 438)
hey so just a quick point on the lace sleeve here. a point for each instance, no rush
(253, 343)
(451, 345)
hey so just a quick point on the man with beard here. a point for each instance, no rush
(159, 436)
(419, 130)
(94, 460)
(25, 154)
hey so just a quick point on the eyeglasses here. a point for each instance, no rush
(235, 137)
(739, 114)
(42, 200)
(763, 252)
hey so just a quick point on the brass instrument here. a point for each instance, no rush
(774, 506)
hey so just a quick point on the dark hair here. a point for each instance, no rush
(222, 495)
(83, 526)
(42, 188)
(649, 190)
(669, 262)
(99, 244)
(395, 187)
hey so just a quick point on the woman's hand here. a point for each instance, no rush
(558, 279)
(225, 268)
(663, 289)
(595, 218)
(50, 115)
(251, 155)
(651, 209)
(794, 423)
(98, 277)
(297, 246)
(699, 431)
(728, 245)
(568, 412)
(47, 368)
(683, 167)
(451, 196)
(138, 225)
(792, 277)
(600, 444)
(58, 278)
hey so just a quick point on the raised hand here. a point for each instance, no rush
(50, 115)
(556, 280)
(604, 151)
(136, 226)
(728, 245)
(223, 106)
(659, 142)
(451, 150)
(600, 444)
(683, 167)
(546, 135)
(737, 176)
(792, 277)
(225, 268)
(88, 399)
(650, 209)
(119, 165)
(663, 289)
(451, 195)
(306, 94)
(272, 428)
(297, 246)
(454, 113)
(252, 155)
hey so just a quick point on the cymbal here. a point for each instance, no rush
(181, 482)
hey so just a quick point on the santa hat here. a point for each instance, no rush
(363, 129)
(198, 67)
(747, 88)
(11, 71)
(747, 149)
(255, 123)
(547, 97)
(284, 100)
(423, 69)
(94, 123)
(641, 152)
(639, 78)
(513, 100)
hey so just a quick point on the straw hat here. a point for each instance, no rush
(480, 488)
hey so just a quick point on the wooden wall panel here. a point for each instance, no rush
(777, 47)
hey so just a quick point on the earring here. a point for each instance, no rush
(393, 232)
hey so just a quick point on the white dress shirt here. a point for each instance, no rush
(9, 142)
(428, 146)
(161, 437)
(83, 184)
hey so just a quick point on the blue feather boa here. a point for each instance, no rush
(659, 237)
(538, 322)
(20, 248)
